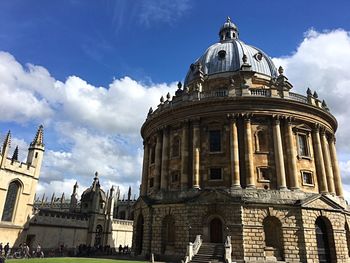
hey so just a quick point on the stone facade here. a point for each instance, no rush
(236, 154)
(93, 220)
(18, 183)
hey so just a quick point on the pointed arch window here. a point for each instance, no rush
(11, 201)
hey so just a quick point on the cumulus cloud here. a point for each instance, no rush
(94, 128)
(22, 91)
(322, 62)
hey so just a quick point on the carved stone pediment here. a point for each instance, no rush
(321, 202)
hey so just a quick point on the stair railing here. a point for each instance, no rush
(228, 250)
(192, 249)
(197, 244)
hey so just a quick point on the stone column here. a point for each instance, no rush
(278, 150)
(157, 163)
(234, 154)
(327, 163)
(196, 154)
(165, 160)
(196, 169)
(336, 173)
(320, 169)
(292, 157)
(145, 167)
(248, 154)
(184, 156)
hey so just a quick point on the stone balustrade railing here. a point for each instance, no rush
(192, 249)
(186, 96)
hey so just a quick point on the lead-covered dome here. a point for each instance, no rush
(229, 55)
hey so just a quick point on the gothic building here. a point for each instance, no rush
(237, 163)
(18, 183)
(91, 220)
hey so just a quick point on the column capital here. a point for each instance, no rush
(247, 117)
(289, 120)
(332, 138)
(232, 116)
(276, 118)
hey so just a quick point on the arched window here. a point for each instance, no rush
(274, 236)
(325, 240)
(168, 233)
(98, 235)
(11, 201)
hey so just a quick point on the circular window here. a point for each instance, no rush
(222, 54)
(258, 56)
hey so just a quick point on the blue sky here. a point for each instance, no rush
(89, 71)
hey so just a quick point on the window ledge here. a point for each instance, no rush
(264, 181)
(300, 157)
(220, 152)
(262, 152)
(309, 185)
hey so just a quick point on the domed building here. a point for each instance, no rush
(239, 168)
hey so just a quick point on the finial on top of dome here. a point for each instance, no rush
(168, 96)
(162, 100)
(228, 20)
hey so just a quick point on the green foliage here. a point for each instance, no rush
(71, 260)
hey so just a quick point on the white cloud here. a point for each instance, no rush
(22, 88)
(322, 62)
(162, 11)
(97, 128)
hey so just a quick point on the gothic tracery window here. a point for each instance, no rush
(11, 201)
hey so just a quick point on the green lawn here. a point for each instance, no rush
(71, 260)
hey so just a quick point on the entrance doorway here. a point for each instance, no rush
(216, 231)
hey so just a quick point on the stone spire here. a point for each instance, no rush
(15, 155)
(129, 193)
(5, 148)
(7, 143)
(38, 139)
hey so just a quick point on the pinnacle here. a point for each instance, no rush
(39, 137)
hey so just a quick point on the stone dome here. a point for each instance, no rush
(229, 55)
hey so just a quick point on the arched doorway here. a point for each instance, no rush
(322, 238)
(215, 226)
(168, 234)
(139, 235)
(274, 236)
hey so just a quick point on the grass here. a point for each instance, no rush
(71, 260)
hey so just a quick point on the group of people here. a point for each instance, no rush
(124, 250)
(4, 250)
(85, 250)
(23, 251)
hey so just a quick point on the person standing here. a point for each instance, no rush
(6, 249)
